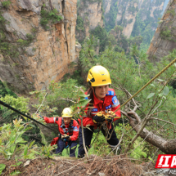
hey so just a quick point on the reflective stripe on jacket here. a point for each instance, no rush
(110, 103)
(73, 131)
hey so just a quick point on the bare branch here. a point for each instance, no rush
(41, 103)
(67, 99)
(152, 118)
(166, 146)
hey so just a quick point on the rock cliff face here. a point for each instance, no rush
(37, 42)
(137, 17)
(118, 12)
(90, 15)
(164, 39)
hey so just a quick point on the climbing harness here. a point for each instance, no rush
(70, 129)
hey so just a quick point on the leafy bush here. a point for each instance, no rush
(166, 34)
(4, 90)
(80, 24)
(47, 17)
(6, 4)
(11, 142)
(19, 103)
(110, 17)
(59, 96)
(22, 42)
(99, 145)
(13, 146)
(101, 34)
(172, 12)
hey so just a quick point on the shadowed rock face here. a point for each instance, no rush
(164, 39)
(48, 53)
(90, 11)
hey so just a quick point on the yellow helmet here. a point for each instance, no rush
(98, 76)
(67, 112)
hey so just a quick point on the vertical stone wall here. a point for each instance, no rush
(164, 39)
(48, 55)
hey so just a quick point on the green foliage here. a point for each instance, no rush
(145, 23)
(11, 137)
(115, 39)
(171, 12)
(92, 1)
(16, 172)
(110, 17)
(99, 145)
(101, 34)
(12, 48)
(47, 148)
(13, 146)
(6, 48)
(80, 24)
(49, 16)
(2, 167)
(132, 9)
(166, 34)
(140, 149)
(4, 90)
(26, 42)
(68, 94)
(76, 76)
(19, 103)
(6, 4)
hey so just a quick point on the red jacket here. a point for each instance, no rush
(73, 131)
(110, 102)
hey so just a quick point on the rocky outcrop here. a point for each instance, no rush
(89, 17)
(37, 54)
(164, 39)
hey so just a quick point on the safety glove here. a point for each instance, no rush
(65, 137)
(99, 117)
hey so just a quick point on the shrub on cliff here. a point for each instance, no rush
(6, 4)
(49, 16)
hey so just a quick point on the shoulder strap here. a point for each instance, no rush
(70, 129)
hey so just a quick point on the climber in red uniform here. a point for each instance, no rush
(103, 100)
(68, 129)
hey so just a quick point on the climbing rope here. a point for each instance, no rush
(164, 69)
(8, 106)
